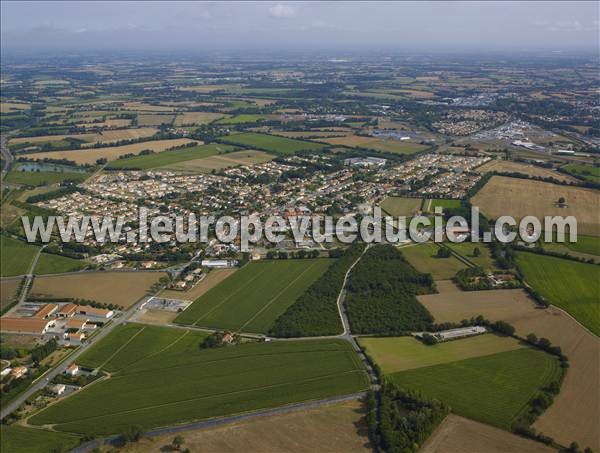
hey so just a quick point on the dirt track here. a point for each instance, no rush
(575, 412)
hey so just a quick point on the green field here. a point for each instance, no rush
(466, 250)
(56, 264)
(271, 143)
(395, 354)
(570, 285)
(15, 256)
(176, 381)
(585, 244)
(401, 206)
(241, 119)
(255, 296)
(169, 157)
(431, 204)
(423, 258)
(492, 389)
(20, 439)
(589, 172)
(43, 178)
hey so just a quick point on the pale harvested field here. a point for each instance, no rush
(522, 197)
(531, 170)
(309, 134)
(211, 88)
(213, 278)
(575, 411)
(217, 162)
(142, 107)
(12, 107)
(154, 120)
(332, 428)
(159, 317)
(392, 146)
(8, 289)
(190, 118)
(89, 156)
(121, 288)
(461, 435)
(102, 137)
(108, 123)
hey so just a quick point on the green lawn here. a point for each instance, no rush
(466, 250)
(20, 439)
(56, 264)
(570, 285)
(169, 157)
(401, 206)
(423, 258)
(443, 203)
(176, 381)
(589, 172)
(43, 178)
(491, 389)
(255, 296)
(272, 143)
(395, 354)
(15, 256)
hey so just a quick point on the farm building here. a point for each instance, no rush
(75, 324)
(30, 325)
(95, 312)
(220, 264)
(75, 338)
(45, 311)
(66, 311)
(462, 332)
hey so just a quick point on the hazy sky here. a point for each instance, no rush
(402, 26)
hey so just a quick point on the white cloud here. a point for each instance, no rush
(280, 10)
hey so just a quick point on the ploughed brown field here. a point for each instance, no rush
(334, 428)
(121, 288)
(461, 435)
(576, 410)
(531, 170)
(522, 197)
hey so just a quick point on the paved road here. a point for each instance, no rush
(224, 420)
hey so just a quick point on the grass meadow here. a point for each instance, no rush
(492, 389)
(56, 264)
(15, 256)
(271, 143)
(569, 285)
(255, 296)
(19, 438)
(424, 258)
(170, 379)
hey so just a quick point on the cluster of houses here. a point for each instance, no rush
(69, 319)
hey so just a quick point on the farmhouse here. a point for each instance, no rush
(30, 325)
(95, 312)
(57, 389)
(45, 311)
(72, 369)
(18, 371)
(75, 338)
(66, 311)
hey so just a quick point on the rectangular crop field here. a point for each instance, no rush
(569, 285)
(218, 162)
(467, 251)
(121, 288)
(255, 296)
(395, 354)
(424, 258)
(19, 438)
(43, 178)
(89, 156)
(504, 166)
(15, 256)
(271, 143)
(431, 204)
(160, 376)
(377, 144)
(401, 206)
(522, 197)
(169, 157)
(56, 264)
(491, 389)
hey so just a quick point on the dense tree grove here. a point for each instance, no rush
(382, 291)
(315, 312)
(403, 420)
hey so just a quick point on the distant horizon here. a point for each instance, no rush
(485, 26)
